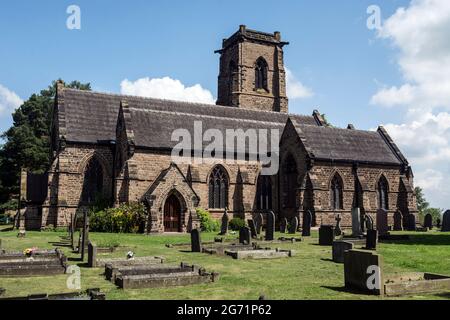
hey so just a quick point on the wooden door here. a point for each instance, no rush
(172, 215)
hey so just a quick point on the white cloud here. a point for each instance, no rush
(9, 101)
(420, 33)
(295, 89)
(166, 88)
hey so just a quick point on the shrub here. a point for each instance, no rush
(236, 224)
(127, 218)
(207, 223)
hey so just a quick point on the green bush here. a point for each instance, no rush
(207, 223)
(127, 218)
(236, 224)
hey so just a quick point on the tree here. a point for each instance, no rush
(27, 142)
(422, 204)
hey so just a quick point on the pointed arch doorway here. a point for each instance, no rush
(172, 214)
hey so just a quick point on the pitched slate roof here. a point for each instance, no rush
(91, 117)
(326, 143)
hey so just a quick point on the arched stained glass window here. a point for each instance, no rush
(218, 189)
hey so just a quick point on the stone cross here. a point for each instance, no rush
(85, 236)
(196, 243)
(307, 221)
(270, 226)
(225, 221)
(294, 225)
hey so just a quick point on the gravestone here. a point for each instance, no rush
(356, 222)
(294, 225)
(398, 221)
(307, 221)
(196, 243)
(438, 223)
(338, 229)
(85, 236)
(0, 244)
(446, 222)
(372, 239)
(225, 222)
(258, 222)
(92, 255)
(428, 221)
(356, 266)
(244, 235)
(339, 248)
(369, 222)
(411, 222)
(251, 225)
(270, 226)
(363, 220)
(326, 235)
(283, 225)
(382, 222)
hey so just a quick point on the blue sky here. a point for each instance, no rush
(331, 50)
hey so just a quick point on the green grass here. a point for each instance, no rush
(309, 275)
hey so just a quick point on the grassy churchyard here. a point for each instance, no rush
(309, 275)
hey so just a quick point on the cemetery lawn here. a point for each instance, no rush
(309, 275)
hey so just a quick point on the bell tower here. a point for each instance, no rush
(252, 74)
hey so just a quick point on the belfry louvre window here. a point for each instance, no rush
(336, 193)
(264, 193)
(218, 189)
(261, 74)
(382, 191)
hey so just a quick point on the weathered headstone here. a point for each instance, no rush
(92, 255)
(356, 222)
(363, 221)
(369, 222)
(270, 226)
(283, 225)
(196, 243)
(339, 248)
(85, 236)
(428, 221)
(411, 222)
(382, 222)
(258, 222)
(244, 235)
(338, 229)
(356, 266)
(438, 223)
(225, 222)
(326, 235)
(398, 221)
(306, 226)
(446, 222)
(251, 225)
(293, 226)
(372, 239)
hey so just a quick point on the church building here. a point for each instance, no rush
(119, 148)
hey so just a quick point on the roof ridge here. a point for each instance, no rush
(179, 101)
(205, 116)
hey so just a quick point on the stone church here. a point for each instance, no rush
(118, 148)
